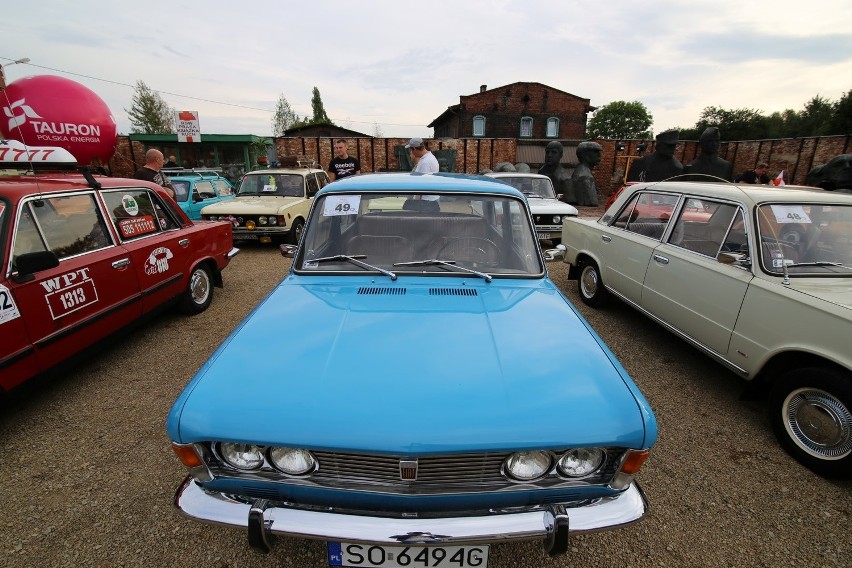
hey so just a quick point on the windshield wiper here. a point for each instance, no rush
(353, 258)
(444, 263)
(820, 263)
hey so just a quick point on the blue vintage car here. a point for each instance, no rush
(414, 390)
(195, 189)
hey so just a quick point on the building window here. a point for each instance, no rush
(479, 125)
(526, 127)
(552, 127)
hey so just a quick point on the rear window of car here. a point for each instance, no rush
(137, 212)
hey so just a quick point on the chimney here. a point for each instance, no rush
(483, 88)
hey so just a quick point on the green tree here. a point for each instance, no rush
(621, 119)
(734, 124)
(284, 118)
(319, 117)
(815, 119)
(149, 113)
(841, 121)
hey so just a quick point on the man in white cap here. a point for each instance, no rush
(426, 160)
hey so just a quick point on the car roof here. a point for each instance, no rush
(755, 193)
(293, 170)
(421, 183)
(18, 186)
(516, 174)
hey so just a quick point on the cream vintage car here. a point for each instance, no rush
(271, 204)
(761, 283)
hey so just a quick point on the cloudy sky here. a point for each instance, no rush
(391, 67)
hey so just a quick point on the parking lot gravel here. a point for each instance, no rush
(88, 475)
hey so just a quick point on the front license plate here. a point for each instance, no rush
(374, 556)
(545, 236)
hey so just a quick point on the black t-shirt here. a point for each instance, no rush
(344, 167)
(148, 174)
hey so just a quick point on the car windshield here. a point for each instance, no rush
(813, 239)
(282, 185)
(531, 187)
(459, 234)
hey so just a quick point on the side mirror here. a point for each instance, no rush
(288, 251)
(29, 263)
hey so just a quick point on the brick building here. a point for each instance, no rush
(519, 110)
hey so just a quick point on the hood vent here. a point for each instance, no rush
(363, 291)
(453, 292)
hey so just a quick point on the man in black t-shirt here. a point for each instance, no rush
(151, 171)
(343, 165)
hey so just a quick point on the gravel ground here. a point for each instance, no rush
(88, 475)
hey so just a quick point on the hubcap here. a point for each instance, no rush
(589, 281)
(819, 423)
(200, 286)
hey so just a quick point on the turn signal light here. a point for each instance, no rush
(250, 225)
(187, 455)
(633, 463)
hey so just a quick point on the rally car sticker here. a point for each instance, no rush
(158, 261)
(130, 205)
(69, 292)
(8, 309)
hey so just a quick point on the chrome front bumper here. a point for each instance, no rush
(551, 524)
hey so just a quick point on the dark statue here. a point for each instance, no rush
(659, 164)
(708, 162)
(836, 174)
(553, 169)
(583, 186)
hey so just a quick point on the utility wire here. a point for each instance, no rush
(194, 98)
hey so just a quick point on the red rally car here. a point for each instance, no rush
(84, 256)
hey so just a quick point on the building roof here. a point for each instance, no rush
(333, 128)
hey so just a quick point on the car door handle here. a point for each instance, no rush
(661, 259)
(121, 263)
(183, 242)
(606, 238)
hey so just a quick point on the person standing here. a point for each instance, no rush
(755, 176)
(343, 165)
(427, 163)
(151, 171)
(171, 163)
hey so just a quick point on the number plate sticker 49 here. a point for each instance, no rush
(374, 556)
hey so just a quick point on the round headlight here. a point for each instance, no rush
(580, 462)
(293, 461)
(210, 217)
(526, 466)
(273, 220)
(241, 456)
(557, 219)
(250, 224)
(261, 220)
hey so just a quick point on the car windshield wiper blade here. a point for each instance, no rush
(819, 263)
(446, 263)
(354, 259)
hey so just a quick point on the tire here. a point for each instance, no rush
(296, 231)
(811, 414)
(590, 285)
(199, 291)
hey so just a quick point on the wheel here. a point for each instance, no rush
(811, 414)
(199, 292)
(590, 285)
(296, 231)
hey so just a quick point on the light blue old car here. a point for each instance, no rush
(414, 390)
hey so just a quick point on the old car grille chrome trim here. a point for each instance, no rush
(436, 475)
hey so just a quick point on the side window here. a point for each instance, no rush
(708, 227)
(137, 212)
(222, 187)
(205, 189)
(647, 213)
(181, 190)
(313, 185)
(479, 125)
(323, 179)
(67, 225)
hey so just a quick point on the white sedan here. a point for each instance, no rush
(547, 211)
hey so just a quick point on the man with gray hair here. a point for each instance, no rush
(426, 161)
(584, 190)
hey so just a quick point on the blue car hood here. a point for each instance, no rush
(418, 366)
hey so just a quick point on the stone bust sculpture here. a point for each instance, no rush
(708, 162)
(659, 164)
(554, 170)
(583, 186)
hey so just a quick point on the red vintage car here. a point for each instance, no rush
(84, 256)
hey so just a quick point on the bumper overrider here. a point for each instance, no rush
(551, 523)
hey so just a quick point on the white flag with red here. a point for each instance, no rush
(780, 179)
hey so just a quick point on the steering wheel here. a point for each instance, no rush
(474, 250)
